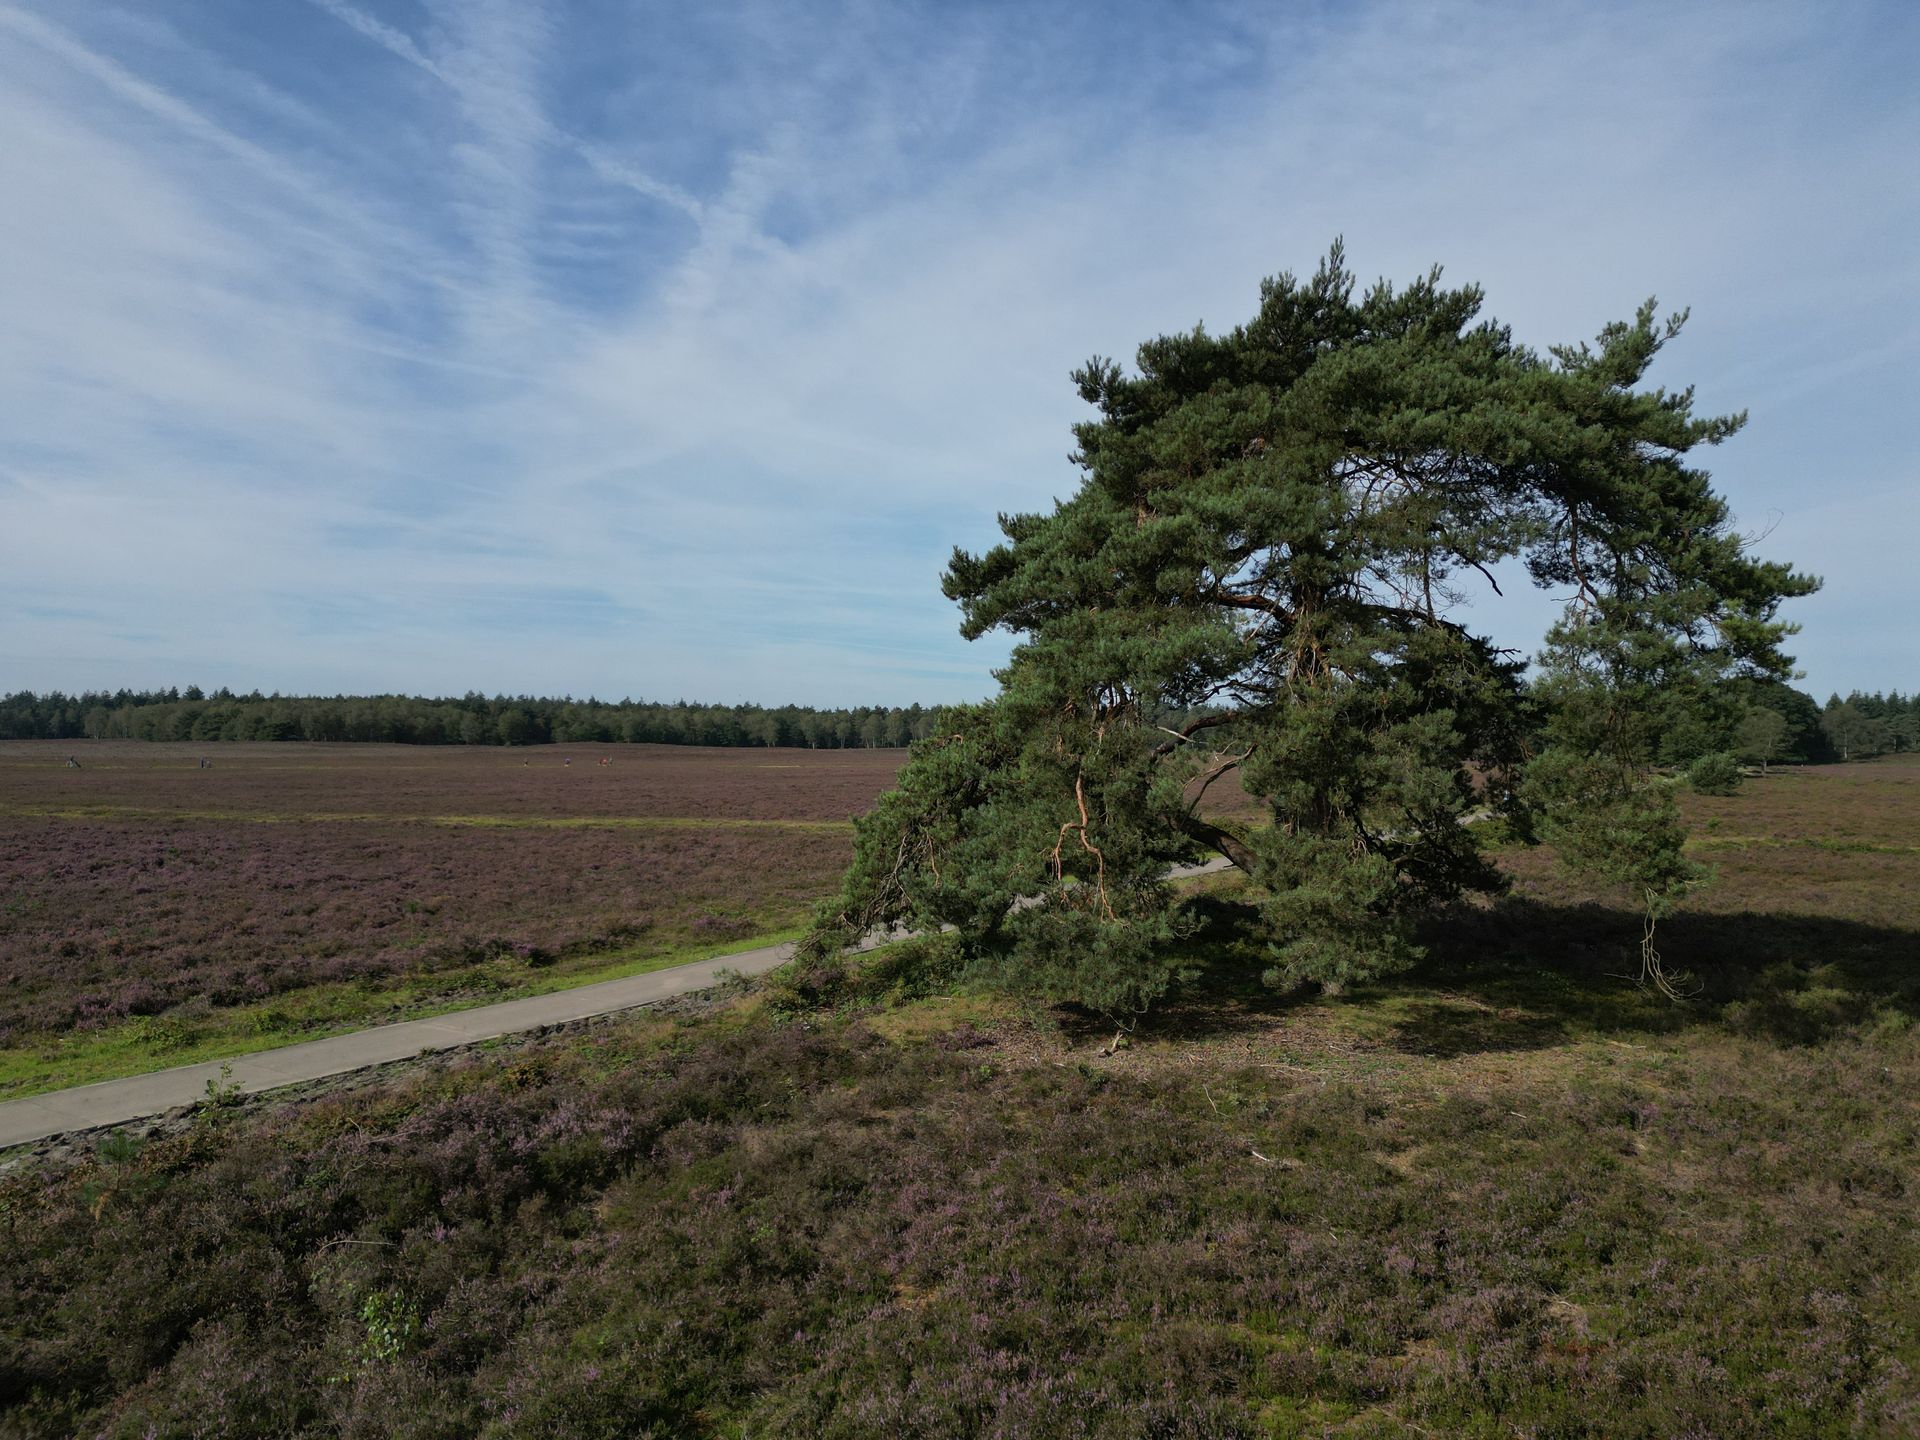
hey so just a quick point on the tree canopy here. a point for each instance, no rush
(1259, 579)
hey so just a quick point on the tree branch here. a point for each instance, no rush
(1490, 580)
(1240, 600)
(1191, 729)
(1227, 843)
(1232, 763)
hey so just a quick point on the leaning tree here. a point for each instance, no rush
(1259, 578)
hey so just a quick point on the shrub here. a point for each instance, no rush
(1715, 774)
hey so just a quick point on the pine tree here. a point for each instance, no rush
(1258, 580)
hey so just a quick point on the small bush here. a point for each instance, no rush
(808, 984)
(1716, 774)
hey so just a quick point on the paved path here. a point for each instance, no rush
(115, 1102)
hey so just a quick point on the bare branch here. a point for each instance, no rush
(1249, 600)
(1192, 728)
(1232, 763)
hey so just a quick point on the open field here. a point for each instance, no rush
(134, 779)
(1510, 1194)
(153, 912)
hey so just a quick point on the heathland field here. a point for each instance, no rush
(1510, 1193)
(154, 912)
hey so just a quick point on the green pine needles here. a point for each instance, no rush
(1258, 579)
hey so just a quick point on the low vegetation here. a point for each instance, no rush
(1507, 1193)
(288, 783)
(154, 913)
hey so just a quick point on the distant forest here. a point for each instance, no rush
(471, 720)
(1862, 726)
(1857, 727)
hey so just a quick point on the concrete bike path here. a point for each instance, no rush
(136, 1097)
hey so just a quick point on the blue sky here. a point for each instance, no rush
(667, 350)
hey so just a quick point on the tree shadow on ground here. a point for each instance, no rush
(1446, 1029)
(1791, 978)
(1521, 974)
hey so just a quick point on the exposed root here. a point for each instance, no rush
(1651, 971)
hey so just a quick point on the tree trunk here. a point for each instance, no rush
(1225, 842)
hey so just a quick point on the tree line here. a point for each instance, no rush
(1764, 721)
(473, 719)
(1761, 721)
(1758, 723)
(1862, 726)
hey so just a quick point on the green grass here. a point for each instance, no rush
(1717, 841)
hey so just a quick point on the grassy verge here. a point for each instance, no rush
(1716, 841)
(187, 1037)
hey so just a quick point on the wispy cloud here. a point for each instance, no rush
(489, 93)
(387, 37)
(572, 348)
